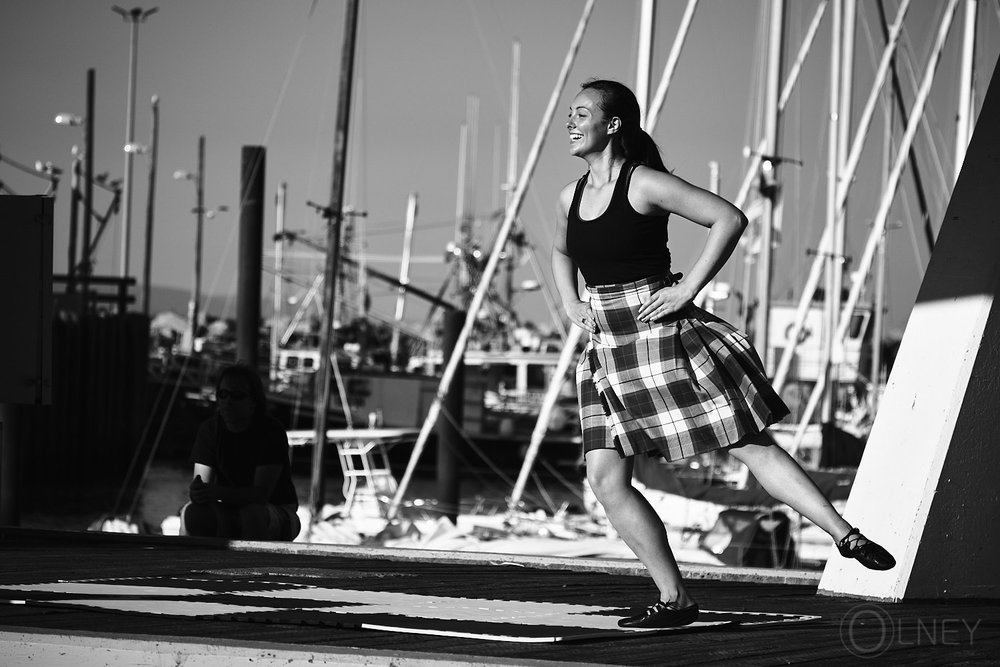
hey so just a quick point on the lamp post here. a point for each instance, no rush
(133, 16)
(75, 197)
(200, 214)
(150, 198)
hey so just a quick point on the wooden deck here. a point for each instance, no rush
(955, 632)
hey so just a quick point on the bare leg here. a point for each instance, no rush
(635, 520)
(783, 478)
(208, 520)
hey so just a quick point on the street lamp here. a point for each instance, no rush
(68, 119)
(134, 16)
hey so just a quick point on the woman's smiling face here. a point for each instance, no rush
(587, 127)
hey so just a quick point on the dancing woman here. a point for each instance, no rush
(660, 376)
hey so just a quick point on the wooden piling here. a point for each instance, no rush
(449, 423)
(250, 254)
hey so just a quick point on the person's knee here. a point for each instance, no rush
(606, 484)
(255, 523)
(198, 520)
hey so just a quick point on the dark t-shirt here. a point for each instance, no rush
(235, 456)
(621, 245)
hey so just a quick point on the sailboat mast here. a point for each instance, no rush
(404, 275)
(888, 194)
(334, 216)
(878, 312)
(649, 120)
(833, 168)
(762, 316)
(644, 56)
(846, 178)
(279, 267)
(512, 139)
(836, 260)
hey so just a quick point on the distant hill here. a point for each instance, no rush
(176, 299)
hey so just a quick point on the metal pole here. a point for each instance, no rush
(702, 299)
(918, 182)
(334, 215)
(762, 316)
(888, 196)
(644, 55)
(963, 129)
(847, 177)
(88, 193)
(544, 414)
(279, 267)
(649, 121)
(404, 276)
(878, 323)
(786, 92)
(461, 229)
(199, 211)
(512, 139)
(491, 265)
(831, 263)
(74, 220)
(133, 17)
(150, 198)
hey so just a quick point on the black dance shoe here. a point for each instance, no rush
(871, 555)
(661, 615)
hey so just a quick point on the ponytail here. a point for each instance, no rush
(631, 141)
(637, 146)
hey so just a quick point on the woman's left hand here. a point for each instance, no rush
(665, 301)
(201, 492)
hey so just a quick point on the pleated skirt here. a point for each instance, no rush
(684, 385)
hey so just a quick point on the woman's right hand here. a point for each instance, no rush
(582, 316)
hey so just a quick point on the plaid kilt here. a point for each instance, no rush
(686, 384)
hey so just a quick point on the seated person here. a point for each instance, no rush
(242, 486)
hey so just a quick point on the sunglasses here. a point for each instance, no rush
(225, 394)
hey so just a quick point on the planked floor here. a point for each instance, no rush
(955, 632)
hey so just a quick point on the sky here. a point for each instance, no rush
(265, 73)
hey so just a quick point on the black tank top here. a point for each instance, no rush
(621, 245)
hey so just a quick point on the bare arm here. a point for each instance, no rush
(655, 192)
(202, 490)
(564, 270)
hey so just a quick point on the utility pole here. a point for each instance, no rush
(199, 211)
(150, 198)
(88, 193)
(134, 17)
